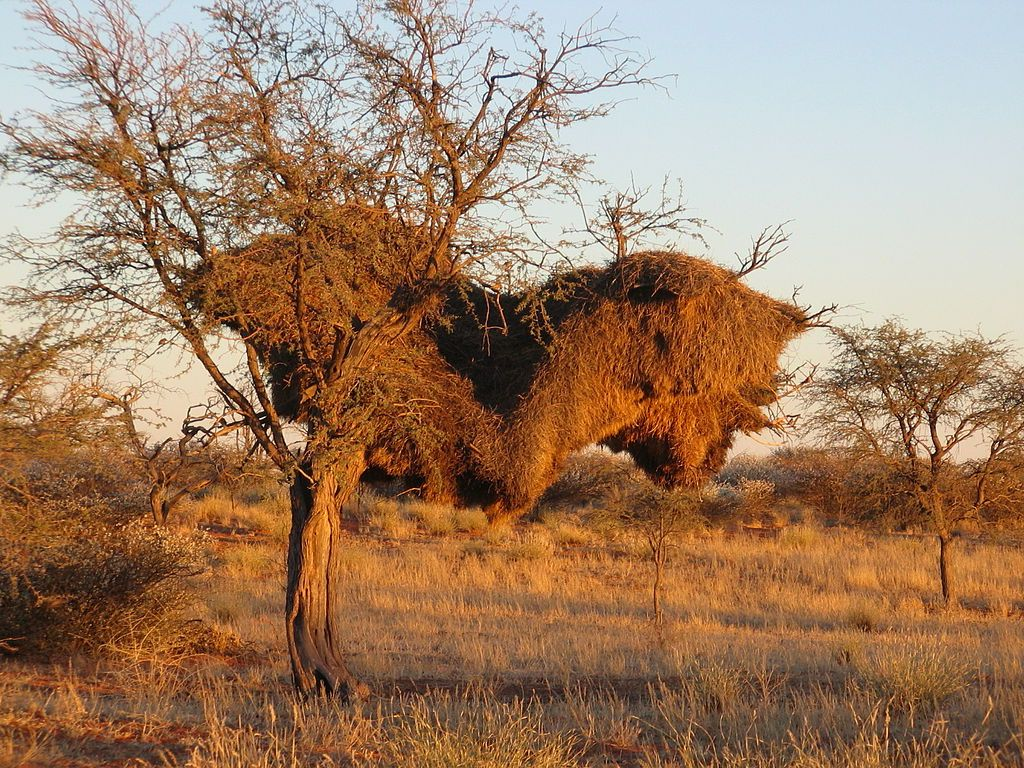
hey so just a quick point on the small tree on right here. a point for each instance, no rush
(943, 414)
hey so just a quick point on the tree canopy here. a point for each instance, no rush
(942, 414)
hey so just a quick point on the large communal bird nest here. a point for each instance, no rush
(659, 354)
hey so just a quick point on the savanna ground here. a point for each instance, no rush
(532, 647)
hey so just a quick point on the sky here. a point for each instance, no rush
(890, 135)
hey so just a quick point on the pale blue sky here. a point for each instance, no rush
(890, 133)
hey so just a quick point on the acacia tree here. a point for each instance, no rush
(421, 128)
(660, 517)
(917, 405)
(623, 497)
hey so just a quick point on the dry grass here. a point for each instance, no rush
(529, 650)
(267, 513)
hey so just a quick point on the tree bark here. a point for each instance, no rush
(946, 564)
(313, 628)
(659, 568)
(158, 505)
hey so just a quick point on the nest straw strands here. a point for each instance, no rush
(659, 354)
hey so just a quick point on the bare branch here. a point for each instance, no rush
(771, 242)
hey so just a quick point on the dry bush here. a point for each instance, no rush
(88, 591)
(84, 485)
(751, 500)
(780, 475)
(589, 479)
(822, 480)
(80, 569)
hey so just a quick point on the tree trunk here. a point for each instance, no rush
(946, 563)
(659, 567)
(314, 630)
(158, 505)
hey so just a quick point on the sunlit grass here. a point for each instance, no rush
(819, 647)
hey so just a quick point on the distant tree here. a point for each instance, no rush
(46, 410)
(44, 397)
(817, 477)
(239, 465)
(921, 406)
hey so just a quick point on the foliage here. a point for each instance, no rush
(589, 478)
(749, 501)
(176, 467)
(322, 184)
(45, 400)
(316, 180)
(909, 404)
(660, 517)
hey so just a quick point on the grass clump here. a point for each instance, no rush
(264, 509)
(443, 732)
(472, 520)
(534, 544)
(864, 616)
(385, 517)
(913, 678)
(567, 534)
(715, 686)
(247, 560)
(498, 533)
(801, 536)
(434, 519)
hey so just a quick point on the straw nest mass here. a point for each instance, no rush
(662, 355)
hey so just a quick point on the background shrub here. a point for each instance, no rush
(80, 568)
